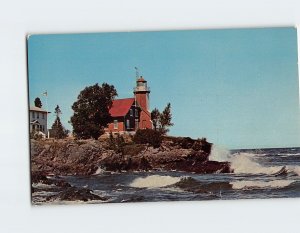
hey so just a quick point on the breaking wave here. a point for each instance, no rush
(242, 163)
(261, 184)
(184, 183)
(154, 181)
(294, 169)
(99, 171)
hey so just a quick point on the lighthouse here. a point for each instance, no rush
(141, 95)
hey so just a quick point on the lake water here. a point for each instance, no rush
(258, 173)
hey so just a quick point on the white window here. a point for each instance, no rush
(136, 123)
(43, 115)
(115, 124)
(128, 124)
(131, 112)
(33, 115)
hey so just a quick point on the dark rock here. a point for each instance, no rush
(76, 194)
(198, 156)
(33, 189)
(61, 183)
(191, 185)
(184, 142)
(39, 177)
(144, 164)
(133, 199)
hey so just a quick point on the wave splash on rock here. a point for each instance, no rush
(244, 163)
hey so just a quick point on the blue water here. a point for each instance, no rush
(259, 173)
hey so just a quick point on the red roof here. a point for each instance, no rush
(141, 79)
(120, 107)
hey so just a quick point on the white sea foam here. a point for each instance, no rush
(288, 154)
(220, 154)
(294, 169)
(260, 184)
(241, 162)
(43, 186)
(244, 163)
(99, 171)
(43, 193)
(154, 181)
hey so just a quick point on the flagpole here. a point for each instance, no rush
(47, 113)
(46, 95)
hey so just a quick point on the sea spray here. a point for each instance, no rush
(154, 181)
(241, 162)
(244, 163)
(220, 154)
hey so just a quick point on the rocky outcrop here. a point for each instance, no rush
(66, 157)
(76, 194)
(61, 190)
(84, 157)
(191, 185)
(40, 177)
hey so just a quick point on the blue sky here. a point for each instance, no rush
(236, 87)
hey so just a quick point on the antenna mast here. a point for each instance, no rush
(137, 75)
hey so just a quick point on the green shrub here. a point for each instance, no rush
(148, 136)
(189, 143)
(116, 143)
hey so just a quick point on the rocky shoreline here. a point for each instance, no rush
(60, 190)
(85, 157)
(52, 158)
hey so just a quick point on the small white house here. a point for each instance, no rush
(38, 120)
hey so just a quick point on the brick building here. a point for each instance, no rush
(131, 114)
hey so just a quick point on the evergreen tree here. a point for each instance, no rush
(155, 114)
(162, 121)
(91, 111)
(57, 129)
(165, 119)
(57, 111)
(38, 102)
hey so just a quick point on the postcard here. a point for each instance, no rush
(186, 115)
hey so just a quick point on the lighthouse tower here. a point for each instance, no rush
(141, 94)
